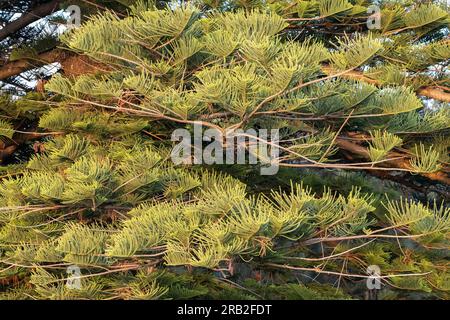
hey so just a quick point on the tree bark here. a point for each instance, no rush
(356, 149)
(17, 67)
(72, 64)
(429, 92)
(29, 17)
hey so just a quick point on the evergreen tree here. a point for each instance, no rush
(29, 54)
(351, 104)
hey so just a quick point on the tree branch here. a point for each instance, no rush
(402, 163)
(29, 17)
(17, 67)
(430, 92)
(71, 63)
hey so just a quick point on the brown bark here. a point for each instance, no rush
(429, 92)
(71, 64)
(29, 17)
(403, 163)
(6, 152)
(434, 93)
(8, 147)
(76, 65)
(17, 67)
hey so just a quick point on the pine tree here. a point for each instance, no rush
(29, 55)
(351, 104)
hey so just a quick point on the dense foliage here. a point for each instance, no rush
(102, 193)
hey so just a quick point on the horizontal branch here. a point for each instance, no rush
(17, 67)
(341, 274)
(399, 162)
(429, 92)
(71, 63)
